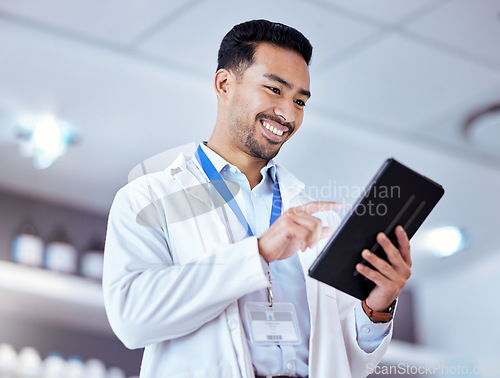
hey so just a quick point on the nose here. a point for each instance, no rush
(285, 110)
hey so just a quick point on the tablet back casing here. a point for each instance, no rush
(396, 196)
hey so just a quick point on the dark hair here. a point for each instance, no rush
(236, 52)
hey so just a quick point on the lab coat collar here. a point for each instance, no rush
(290, 186)
(180, 172)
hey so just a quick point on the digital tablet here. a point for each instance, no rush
(396, 196)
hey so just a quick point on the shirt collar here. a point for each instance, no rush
(217, 160)
(220, 163)
(270, 168)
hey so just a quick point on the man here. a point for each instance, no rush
(205, 288)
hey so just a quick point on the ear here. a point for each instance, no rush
(223, 79)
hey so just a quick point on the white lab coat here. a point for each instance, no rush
(172, 281)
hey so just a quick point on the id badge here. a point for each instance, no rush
(272, 325)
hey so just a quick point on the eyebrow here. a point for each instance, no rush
(285, 83)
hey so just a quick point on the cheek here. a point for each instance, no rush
(237, 109)
(299, 117)
(243, 104)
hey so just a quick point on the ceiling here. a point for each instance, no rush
(388, 77)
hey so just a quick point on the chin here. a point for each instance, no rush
(264, 149)
(265, 153)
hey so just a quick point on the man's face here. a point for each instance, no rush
(266, 103)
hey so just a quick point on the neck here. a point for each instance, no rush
(249, 165)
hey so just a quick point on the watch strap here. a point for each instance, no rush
(379, 316)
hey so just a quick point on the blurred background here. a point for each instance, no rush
(89, 89)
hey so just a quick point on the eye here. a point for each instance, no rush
(275, 90)
(300, 103)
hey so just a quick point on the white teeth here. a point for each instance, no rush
(272, 129)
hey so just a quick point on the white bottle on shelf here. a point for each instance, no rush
(75, 368)
(27, 246)
(8, 361)
(92, 260)
(60, 254)
(115, 372)
(95, 368)
(54, 366)
(29, 363)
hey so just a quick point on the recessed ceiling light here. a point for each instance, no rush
(45, 140)
(443, 241)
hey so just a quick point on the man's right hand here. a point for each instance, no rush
(296, 229)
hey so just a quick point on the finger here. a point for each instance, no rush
(381, 265)
(301, 230)
(390, 250)
(384, 286)
(302, 236)
(394, 256)
(312, 225)
(326, 232)
(373, 275)
(404, 245)
(282, 240)
(315, 206)
(290, 233)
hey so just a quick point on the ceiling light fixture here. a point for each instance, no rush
(483, 126)
(443, 241)
(45, 141)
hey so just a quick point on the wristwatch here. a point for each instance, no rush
(379, 316)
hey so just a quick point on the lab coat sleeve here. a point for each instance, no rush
(150, 298)
(369, 335)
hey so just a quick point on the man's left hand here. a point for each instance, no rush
(390, 278)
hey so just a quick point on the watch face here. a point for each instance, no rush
(392, 306)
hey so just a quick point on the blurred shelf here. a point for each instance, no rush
(415, 354)
(62, 300)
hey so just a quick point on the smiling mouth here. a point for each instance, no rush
(276, 131)
(272, 129)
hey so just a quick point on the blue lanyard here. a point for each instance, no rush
(221, 187)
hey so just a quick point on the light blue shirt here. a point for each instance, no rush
(288, 284)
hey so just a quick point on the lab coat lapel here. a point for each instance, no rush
(188, 182)
(205, 204)
(290, 187)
